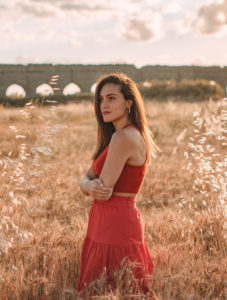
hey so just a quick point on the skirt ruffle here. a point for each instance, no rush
(98, 258)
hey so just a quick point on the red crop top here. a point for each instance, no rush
(131, 178)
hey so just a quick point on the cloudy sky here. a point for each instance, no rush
(138, 32)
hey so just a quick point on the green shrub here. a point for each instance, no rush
(45, 100)
(189, 90)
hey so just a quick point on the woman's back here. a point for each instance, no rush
(131, 177)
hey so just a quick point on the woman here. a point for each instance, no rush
(115, 230)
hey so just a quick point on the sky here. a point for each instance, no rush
(139, 32)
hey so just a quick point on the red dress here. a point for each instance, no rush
(115, 230)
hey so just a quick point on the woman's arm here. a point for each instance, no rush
(85, 181)
(91, 185)
(121, 148)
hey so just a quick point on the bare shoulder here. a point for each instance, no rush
(125, 137)
(126, 146)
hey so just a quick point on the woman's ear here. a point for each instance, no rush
(129, 103)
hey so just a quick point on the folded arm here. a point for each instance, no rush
(91, 185)
(120, 150)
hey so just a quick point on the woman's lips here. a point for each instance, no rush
(105, 113)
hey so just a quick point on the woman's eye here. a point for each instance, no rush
(111, 98)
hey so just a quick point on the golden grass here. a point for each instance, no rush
(43, 215)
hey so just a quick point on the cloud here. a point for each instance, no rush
(199, 60)
(27, 59)
(69, 37)
(50, 8)
(210, 18)
(172, 8)
(49, 1)
(142, 28)
(136, 1)
(24, 59)
(10, 37)
(83, 7)
(16, 10)
(40, 10)
(138, 29)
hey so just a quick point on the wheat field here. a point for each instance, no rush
(44, 151)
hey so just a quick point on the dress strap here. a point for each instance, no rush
(130, 124)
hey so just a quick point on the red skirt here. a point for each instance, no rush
(115, 232)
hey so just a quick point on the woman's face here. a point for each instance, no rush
(113, 105)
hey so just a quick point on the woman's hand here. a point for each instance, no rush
(98, 191)
(91, 185)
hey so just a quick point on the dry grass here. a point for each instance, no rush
(43, 215)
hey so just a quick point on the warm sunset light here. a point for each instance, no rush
(113, 149)
(138, 32)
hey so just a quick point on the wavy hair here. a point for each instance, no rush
(137, 115)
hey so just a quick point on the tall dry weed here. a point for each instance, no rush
(44, 216)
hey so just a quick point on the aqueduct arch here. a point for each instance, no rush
(71, 86)
(44, 89)
(32, 75)
(15, 90)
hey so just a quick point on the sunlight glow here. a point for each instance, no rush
(93, 87)
(221, 17)
(71, 89)
(44, 89)
(15, 90)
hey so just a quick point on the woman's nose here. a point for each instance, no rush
(104, 103)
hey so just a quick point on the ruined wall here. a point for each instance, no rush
(32, 75)
(185, 72)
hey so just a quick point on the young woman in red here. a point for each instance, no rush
(115, 228)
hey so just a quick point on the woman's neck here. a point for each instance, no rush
(118, 125)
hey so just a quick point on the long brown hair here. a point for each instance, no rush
(137, 115)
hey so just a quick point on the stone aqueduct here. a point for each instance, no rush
(32, 75)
